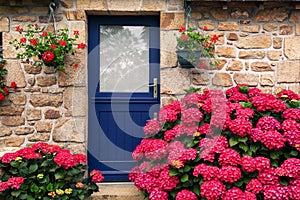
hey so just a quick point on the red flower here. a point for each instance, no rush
(5, 90)
(97, 176)
(1, 96)
(76, 32)
(33, 42)
(182, 29)
(44, 33)
(75, 65)
(205, 28)
(13, 84)
(18, 28)
(36, 25)
(152, 127)
(1, 65)
(79, 185)
(65, 160)
(53, 46)
(186, 194)
(23, 40)
(15, 182)
(214, 39)
(62, 43)
(4, 186)
(184, 37)
(80, 158)
(48, 56)
(81, 46)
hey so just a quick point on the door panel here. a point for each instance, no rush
(123, 89)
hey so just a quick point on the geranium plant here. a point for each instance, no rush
(196, 44)
(243, 144)
(4, 88)
(46, 171)
(49, 48)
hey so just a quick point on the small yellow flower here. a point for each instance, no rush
(52, 194)
(40, 176)
(68, 191)
(200, 105)
(284, 96)
(18, 159)
(79, 185)
(297, 145)
(177, 163)
(197, 134)
(60, 192)
(294, 100)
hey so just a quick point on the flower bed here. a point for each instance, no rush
(46, 172)
(241, 145)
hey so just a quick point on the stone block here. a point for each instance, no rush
(221, 64)
(272, 15)
(153, 5)
(26, 18)
(43, 126)
(288, 72)
(210, 24)
(291, 48)
(270, 27)
(52, 114)
(227, 52)
(40, 100)
(171, 21)
(78, 15)
(254, 42)
(228, 26)
(11, 111)
(91, 5)
(11, 10)
(15, 74)
(234, 65)
(238, 13)
(278, 89)
(168, 45)
(46, 81)
(297, 29)
(67, 3)
(295, 16)
(285, 29)
(30, 69)
(39, 137)
(4, 131)
(4, 24)
(252, 54)
(261, 66)
(232, 36)
(13, 120)
(14, 142)
(174, 81)
(33, 114)
(295, 88)
(195, 15)
(277, 42)
(201, 79)
(8, 50)
(24, 130)
(274, 55)
(246, 78)
(222, 79)
(81, 27)
(267, 80)
(71, 101)
(39, 10)
(69, 130)
(219, 13)
(121, 5)
(167, 100)
(250, 28)
(44, 19)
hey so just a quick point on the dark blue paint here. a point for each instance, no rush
(109, 145)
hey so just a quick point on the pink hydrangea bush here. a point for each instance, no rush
(243, 144)
(46, 171)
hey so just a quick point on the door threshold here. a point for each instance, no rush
(116, 185)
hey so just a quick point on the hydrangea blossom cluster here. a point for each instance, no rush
(243, 144)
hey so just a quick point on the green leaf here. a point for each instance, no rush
(59, 175)
(243, 139)
(243, 89)
(294, 153)
(186, 168)
(245, 104)
(29, 197)
(196, 189)
(15, 193)
(254, 148)
(274, 155)
(283, 182)
(173, 172)
(33, 168)
(184, 178)
(34, 188)
(274, 163)
(15, 164)
(233, 141)
(244, 147)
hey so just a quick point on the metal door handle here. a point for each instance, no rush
(154, 85)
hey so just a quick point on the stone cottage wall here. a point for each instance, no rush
(257, 45)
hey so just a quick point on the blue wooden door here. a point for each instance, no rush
(123, 70)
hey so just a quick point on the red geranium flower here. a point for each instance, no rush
(81, 46)
(33, 42)
(18, 28)
(62, 43)
(76, 32)
(23, 40)
(182, 29)
(75, 65)
(13, 84)
(48, 56)
(44, 33)
(53, 46)
(214, 39)
(205, 28)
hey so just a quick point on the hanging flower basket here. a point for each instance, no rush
(188, 59)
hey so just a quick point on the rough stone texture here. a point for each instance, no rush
(270, 27)
(67, 3)
(246, 78)
(39, 100)
(261, 66)
(291, 48)
(71, 101)
(15, 73)
(52, 114)
(43, 126)
(14, 142)
(267, 80)
(210, 24)
(46, 81)
(69, 130)
(196, 15)
(228, 26)
(252, 54)
(24, 18)
(297, 29)
(278, 89)
(168, 43)
(114, 5)
(167, 100)
(295, 16)
(75, 15)
(24, 130)
(221, 64)
(91, 5)
(4, 24)
(174, 81)
(77, 148)
(13, 121)
(39, 137)
(219, 13)
(277, 42)
(44, 19)
(81, 27)
(30, 69)
(234, 65)
(4, 131)
(227, 52)
(285, 29)
(232, 36)
(295, 88)
(250, 28)
(32, 90)
(169, 21)
(222, 79)
(274, 54)
(254, 42)
(220, 36)
(272, 15)
(202, 79)
(153, 5)
(11, 111)
(288, 72)
(239, 14)
(53, 90)
(33, 114)
(31, 81)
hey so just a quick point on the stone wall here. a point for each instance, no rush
(257, 45)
